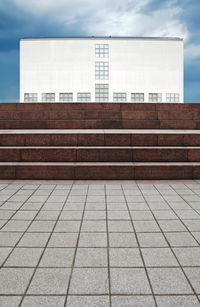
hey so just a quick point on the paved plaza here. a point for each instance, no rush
(96, 244)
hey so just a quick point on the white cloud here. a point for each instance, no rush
(192, 52)
(111, 17)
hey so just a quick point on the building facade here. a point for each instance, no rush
(101, 69)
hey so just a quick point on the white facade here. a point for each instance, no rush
(102, 69)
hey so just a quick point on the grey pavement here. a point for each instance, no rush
(100, 243)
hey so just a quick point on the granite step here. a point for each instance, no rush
(100, 124)
(99, 137)
(87, 171)
(99, 154)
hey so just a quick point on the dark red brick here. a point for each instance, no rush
(7, 172)
(91, 172)
(117, 139)
(90, 139)
(148, 171)
(170, 140)
(144, 139)
(9, 154)
(45, 172)
(159, 155)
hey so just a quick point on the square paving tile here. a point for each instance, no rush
(194, 276)
(129, 281)
(94, 215)
(188, 256)
(132, 301)
(93, 240)
(14, 280)
(146, 226)
(41, 226)
(24, 215)
(85, 301)
(155, 239)
(47, 215)
(158, 257)
(34, 239)
(10, 301)
(67, 226)
(141, 215)
(63, 240)
(4, 252)
(57, 257)
(49, 281)
(24, 257)
(180, 239)
(43, 301)
(125, 257)
(178, 301)
(171, 225)
(193, 225)
(91, 257)
(93, 226)
(122, 240)
(169, 281)
(9, 238)
(16, 226)
(71, 215)
(120, 226)
(89, 281)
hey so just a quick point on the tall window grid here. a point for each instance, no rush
(30, 97)
(101, 70)
(101, 92)
(101, 50)
(119, 97)
(84, 97)
(155, 97)
(137, 97)
(66, 97)
(48, 97)
(172, 97)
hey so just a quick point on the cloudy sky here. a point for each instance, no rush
(42, 18)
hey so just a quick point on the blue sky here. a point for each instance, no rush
(42, 18)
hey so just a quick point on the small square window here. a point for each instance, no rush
(137, 97)
(119, 97)
(101, 50)
(101, 92)
(84, 97)
(66, 97)
(101, 70)
(172, 97)
(155, 97)
(30, 97)
(48, 97)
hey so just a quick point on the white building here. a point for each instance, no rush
(101, 69)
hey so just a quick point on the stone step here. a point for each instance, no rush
(99, 154)
(100, 124)
(94, 106)
(99, 115)
(87, 171)
(99, 137)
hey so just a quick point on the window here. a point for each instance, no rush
(101, 70)
(84, 97)
(48, 97)
(137, 97)
(172, 97)
(66, 97)
(155, 97)
(30, 97)
(101, 92)
(118, 97)
(101, 50)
